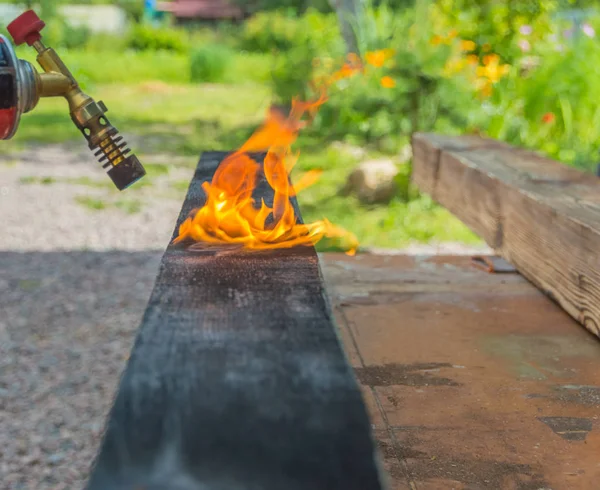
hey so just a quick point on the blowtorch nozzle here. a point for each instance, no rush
(128, 172)
(24, 86)
(111, 149)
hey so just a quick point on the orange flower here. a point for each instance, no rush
(488, 59)
(473, 59)
(452, 34)
(467, 45)
(436, 40)
(548, 117)
(388, 82)
(348, 69)
(378, 58)
(487, 89)
(453, 66)
(375, 59)
(492, 68)
(484, 87)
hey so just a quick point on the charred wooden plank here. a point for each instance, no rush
(237, 380)
(540, 215)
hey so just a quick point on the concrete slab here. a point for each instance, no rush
(473, 380)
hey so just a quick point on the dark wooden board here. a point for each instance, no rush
(237, 380)
(540, 215)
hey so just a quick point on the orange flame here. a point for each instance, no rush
(230, 215)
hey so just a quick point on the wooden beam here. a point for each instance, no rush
(540, 215)
(237, 379)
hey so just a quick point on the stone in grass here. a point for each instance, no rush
(348, 149)
(373, 181)
(405, 154)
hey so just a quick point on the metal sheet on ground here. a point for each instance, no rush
(473, 380)
(237, 380)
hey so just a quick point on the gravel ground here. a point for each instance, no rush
(74, 283)
(61, 215)
(67, 324)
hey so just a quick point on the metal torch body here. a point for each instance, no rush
(22, 86)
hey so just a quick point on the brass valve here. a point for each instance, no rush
(21, 87)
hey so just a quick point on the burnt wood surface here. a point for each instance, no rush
(237, 379)
(540, 215)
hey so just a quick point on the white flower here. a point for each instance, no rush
(588, 30)
(524, 45)
(526, 30)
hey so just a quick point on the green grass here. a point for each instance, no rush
(85, 181)
(180, 185)
(156, 169)
(91, 203)
(29, 284)
(129, 206)
(37, 180)
(92, 68)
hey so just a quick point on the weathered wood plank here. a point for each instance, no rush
(427, 151)
(237, 380)
(540, 215)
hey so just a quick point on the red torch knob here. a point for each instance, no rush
(26, 28)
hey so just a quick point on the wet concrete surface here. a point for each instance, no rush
(474, 380)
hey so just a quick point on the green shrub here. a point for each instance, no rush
(133, 8)
(73, 37)
(553, 108)
(323, 32)
(498, 23)
(147, 38)
(209, 63)
(255, 67)
(363, 111)
(272, 31)
(297, 44)
(277, 31)
(106, 42)
(290, 76)
(360, 109)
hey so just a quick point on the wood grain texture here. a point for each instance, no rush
(237, 379)
(540, 215)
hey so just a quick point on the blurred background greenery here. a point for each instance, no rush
(523, 71)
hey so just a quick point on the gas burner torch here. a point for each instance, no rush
(21, 87)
